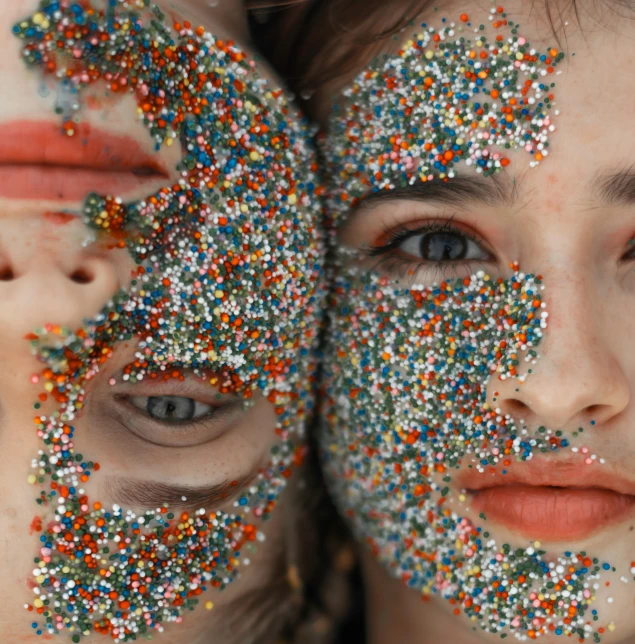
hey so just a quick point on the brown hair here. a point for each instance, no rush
(312, 42)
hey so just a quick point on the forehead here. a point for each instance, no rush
(594, 86)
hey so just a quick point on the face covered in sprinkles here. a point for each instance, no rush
(457, 457)
(210, 343)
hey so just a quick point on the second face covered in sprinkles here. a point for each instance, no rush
(228, 287)
(407, 366)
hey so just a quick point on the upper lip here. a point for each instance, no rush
(548, 473)
(34, 143)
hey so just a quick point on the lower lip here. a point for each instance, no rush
(550, 513)
(57, 183)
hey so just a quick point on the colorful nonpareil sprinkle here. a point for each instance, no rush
(446, 98)
(406, 366)
(228, 286)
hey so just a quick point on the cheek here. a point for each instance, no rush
(406, 376)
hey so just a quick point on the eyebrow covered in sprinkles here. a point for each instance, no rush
(465, 102)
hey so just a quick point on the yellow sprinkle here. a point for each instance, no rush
(254, 156)
(209, 605)
(31, 479)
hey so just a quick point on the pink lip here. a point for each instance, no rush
(39, 161)
(551, 501)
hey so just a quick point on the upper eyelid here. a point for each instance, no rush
(430, 225)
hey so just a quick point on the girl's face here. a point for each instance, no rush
(478, 425)
(160, 279)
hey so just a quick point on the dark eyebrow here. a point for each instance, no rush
(129, 492)
(616, 188)
(458, 191)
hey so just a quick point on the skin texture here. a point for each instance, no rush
(44, 253)
(579, 245)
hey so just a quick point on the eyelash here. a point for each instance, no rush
(398, 234)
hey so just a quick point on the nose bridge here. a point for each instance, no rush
(48, 274)
(577, 375)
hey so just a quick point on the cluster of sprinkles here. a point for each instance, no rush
(406, 366)
(444, 99)
(228, 286)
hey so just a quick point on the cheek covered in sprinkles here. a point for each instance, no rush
(405, 406)
(228, 286)
(406, 366)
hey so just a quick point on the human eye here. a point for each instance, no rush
(438, 246)
(175, 414)
(171, 409)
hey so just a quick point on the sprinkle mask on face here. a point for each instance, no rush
(406, 366)
(228, 286)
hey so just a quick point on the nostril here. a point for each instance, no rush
(6, 273)
(82, 276)
(514, 407)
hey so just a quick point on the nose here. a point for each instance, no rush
(578, 377)
(49, 274)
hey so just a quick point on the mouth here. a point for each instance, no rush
(552, 501)
(39, 162)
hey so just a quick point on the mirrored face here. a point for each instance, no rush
(160, 273)
(477, 427)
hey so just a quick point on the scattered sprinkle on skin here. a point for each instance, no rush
(228, 286)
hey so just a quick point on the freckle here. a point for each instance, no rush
(553, 204)
(551, 178)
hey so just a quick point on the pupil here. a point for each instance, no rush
(170, 408)
(437, 247)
